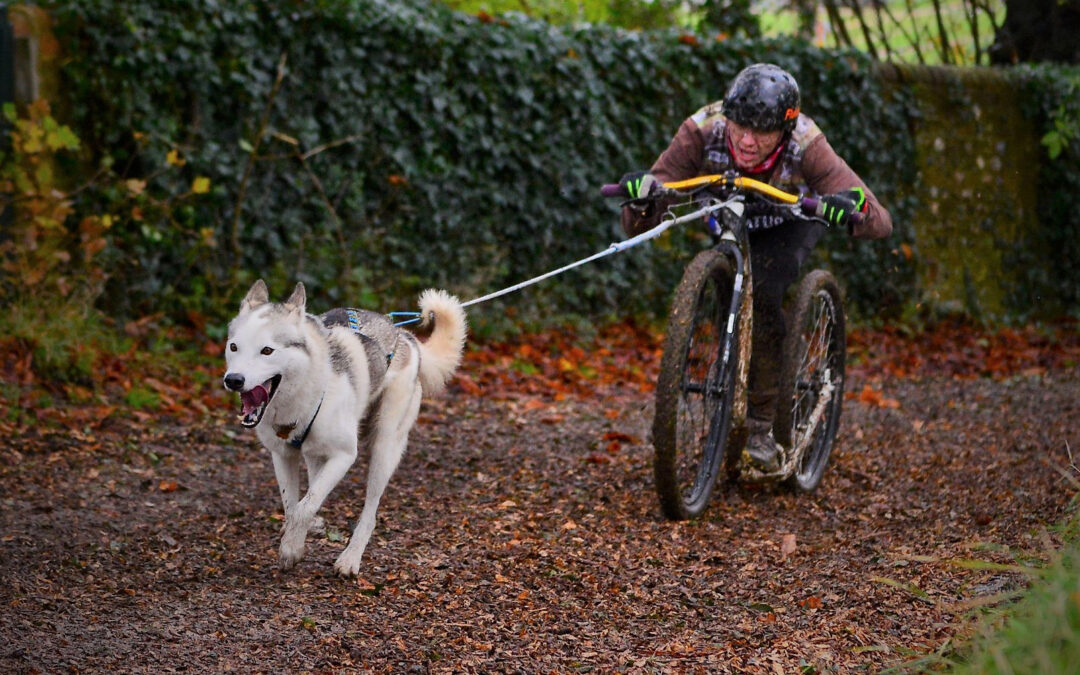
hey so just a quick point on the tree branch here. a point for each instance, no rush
(241, 191)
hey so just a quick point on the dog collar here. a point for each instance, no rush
(298, 441)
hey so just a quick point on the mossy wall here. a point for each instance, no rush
(978, 158)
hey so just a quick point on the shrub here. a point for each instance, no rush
(372, 148)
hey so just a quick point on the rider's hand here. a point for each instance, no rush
(639, 184)
(837, 208)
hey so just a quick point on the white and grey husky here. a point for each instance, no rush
(315, 386)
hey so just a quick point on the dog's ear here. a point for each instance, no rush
(258, 295)
(297, 302)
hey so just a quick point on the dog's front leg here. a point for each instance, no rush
(303, 515)
(287, 472)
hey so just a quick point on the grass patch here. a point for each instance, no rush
(59, 340)
(142, 399)
(1034, 630)
(1040, 633)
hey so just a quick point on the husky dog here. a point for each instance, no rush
(313, 386)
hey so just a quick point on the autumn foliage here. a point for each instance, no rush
(531, 369)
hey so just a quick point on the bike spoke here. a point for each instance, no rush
(814, 367)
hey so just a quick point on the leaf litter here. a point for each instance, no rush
(522, 533)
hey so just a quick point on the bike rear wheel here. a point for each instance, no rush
(693, 398)
(815, 352)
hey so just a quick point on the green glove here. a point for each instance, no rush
(837, 208)
(638, 184)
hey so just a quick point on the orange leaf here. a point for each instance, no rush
(787, 545)
(534, 404)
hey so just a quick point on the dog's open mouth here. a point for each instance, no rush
(253, 402)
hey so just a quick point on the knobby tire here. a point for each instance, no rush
(815, 348)
(693, 407)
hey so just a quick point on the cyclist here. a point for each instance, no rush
(757, 130)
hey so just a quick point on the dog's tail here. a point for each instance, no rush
(440, 354)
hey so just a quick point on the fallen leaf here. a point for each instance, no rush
(787, 545)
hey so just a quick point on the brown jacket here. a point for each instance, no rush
(808, 162)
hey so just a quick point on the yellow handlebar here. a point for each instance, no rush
(739, 182)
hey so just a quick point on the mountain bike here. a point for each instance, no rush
(700, 424)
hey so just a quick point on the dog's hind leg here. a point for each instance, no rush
(396, 416)
(331, 471)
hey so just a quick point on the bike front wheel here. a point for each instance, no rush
(693, 397)
(815, 352)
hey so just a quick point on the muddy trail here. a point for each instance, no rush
(521, 533)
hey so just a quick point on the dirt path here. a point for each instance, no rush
(527, 538)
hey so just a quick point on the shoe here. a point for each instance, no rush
(764, 451)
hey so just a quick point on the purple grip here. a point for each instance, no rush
(613, 190)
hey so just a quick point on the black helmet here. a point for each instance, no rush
(763, 97)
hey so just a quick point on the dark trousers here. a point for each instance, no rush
(776, 254)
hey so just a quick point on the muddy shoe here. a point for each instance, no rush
(764, 451)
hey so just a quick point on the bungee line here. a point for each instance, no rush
(615, 247)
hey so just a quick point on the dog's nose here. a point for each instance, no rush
(234, 381)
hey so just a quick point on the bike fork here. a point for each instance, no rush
(737, 333)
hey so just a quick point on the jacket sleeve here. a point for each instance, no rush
(681, 160)
(827, 173)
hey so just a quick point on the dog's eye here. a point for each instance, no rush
(267, 351)
(232, 346)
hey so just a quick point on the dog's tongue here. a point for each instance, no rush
(253, 399)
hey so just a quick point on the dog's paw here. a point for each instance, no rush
(291, 550)
(347, 564)
(318, 526)
(287, 558)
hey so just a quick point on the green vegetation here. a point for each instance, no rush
(906, 31)
(1052, 93)
(245, 141)
(1041, 632)
(1033, 630)
(304, 143)
(733, 17)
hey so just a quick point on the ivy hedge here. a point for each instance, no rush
(372, 148)
(1051, 95)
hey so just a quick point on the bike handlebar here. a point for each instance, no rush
(808, 205)
(613, 190)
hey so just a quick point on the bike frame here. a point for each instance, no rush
(733, 240)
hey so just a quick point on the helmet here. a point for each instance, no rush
(763, 97)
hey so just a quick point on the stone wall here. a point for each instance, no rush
(978, 159)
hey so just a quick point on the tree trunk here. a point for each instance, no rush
(1038, 30)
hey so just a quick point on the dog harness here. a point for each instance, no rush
(354, 325)
(373, 329)
(298, 441)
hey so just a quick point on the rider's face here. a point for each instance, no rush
(751, 147)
